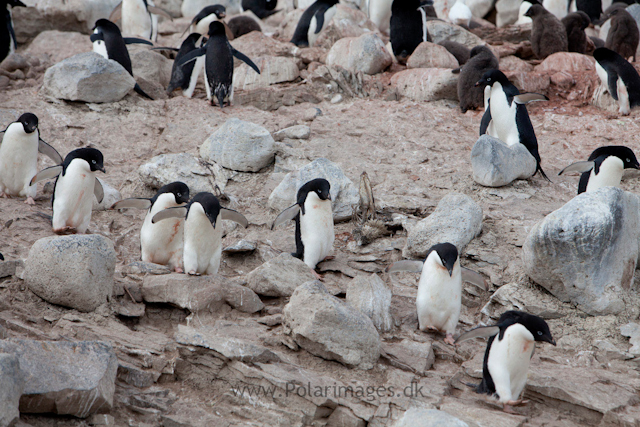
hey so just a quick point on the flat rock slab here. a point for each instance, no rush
(479, 417)
(496, 164)
(410, 355)
(418, 417)
(280, 276)
(371, 296)
(440, 31)
(11, 378)
(65, 378)
(273, 70)
(426, 84)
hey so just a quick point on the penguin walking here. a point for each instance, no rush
(8, 43)
(460, 14)
(548, 35)
(481, 60)
(408, 28)
(439, 298)
(203, 217)
(509, 113)
(218, 54)
(76, 183)
(19, 157)
(186, 76)
(379, 12)
(604, 167)
(312, 21)
(575, 23)
(162, 242)
(139, 18)
(109, 43)
(623, 36)
(508, 355)
(619, 78)
(261, 8)
(201, 22)
(314, 222)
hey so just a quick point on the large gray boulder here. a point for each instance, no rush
(279, 277)
(495, 163)
(586, 251)
(366, 54)
(73, 271)
(431, 55)
(457, 219)
(190, 8)
(87, 77)
(11, 390)
(344, 194)
(65, 378)
(198, 176)
(426, 84)
(239, 145)
(372, 297)
(273, 70)
(326, 327)
(440, 31)
(419, 417)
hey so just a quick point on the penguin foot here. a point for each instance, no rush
(329, 258)
(178, 270)
(194, 273)
(65, 230)
(520, 402)
(509, 410)
(318, 275)
(30, 201)
(5, 195)
(449, 339)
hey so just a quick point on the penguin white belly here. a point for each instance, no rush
(197, 69)
(557, 7)
(136, 20)
(18, 161)
(460, 14)
(313, 25)
(202, 27)
(73, 199)
(439, 298)
(610, 174)
(503, 116)
(623, 97)
(380, 14)
(162, 242)
(316, 229)
(509, 361)
(100, 48)
(202, 243)
(303, 4)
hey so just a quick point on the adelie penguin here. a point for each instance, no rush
(619, 78)
(8, 43)
(203, 217)
(313, 215)
(19, 149)
(186, 76)
(109, 43)
(76, 184)
(201, 22)
(218, 54)
(440, 288)
(575, 23)
(139, 18)
(509, 350)
(624, 35)
(604, 167)
(161, 242)
(379, 12)
(408, 28)
(261, 8)
(481, 60)
(312, 21)
(508, 114)
(548, 35)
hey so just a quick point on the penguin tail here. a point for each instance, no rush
(142, 93)
(544, 175)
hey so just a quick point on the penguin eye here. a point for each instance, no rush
(179, 195)
(539, 332)
(489, 79)
(628, 161)
(93, 161)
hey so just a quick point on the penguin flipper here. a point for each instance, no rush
(136, 40)
(132, 203)
(244, 58)
(1, 257)
(177, 212)
(406, 265)
(158, 11)
(612, 81)
(139, 90)
(481, 332)
(580, 167)
(526, 98)
(174, 49)
(319, 20)
(231, 215)
(474, 278)
(116, 14)
(16, 3)
(47, 173)
(486, 120)
(98, 191)
(192, 56)
(544, 175)
(50, 152)
(286, 215)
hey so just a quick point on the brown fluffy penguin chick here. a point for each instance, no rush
(575, 24)
(241, 25)
(623, 35)
(548, 35)
(481, 60)
(458, 50)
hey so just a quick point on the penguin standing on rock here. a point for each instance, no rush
(8, 43)
(161, 243)
(218, 54)
(548, 35)
(261, 8)
(408, 28)
(619, 78)
(19, 149)
(202, 231)
(623, 36)
(314, 222)
(508, 113)
(508, 355)
(604, 167)
(439, 297)
(109, 43)
(139, 18)
(481, 60)
(73, 192)
(312, 21)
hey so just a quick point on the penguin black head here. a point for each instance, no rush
(447, 253)
(491, 77)
(90, 155)
(320, 186)
(179, 189)
(620, 151)
(603, 54)
(534, 324)
(210, 204)
(217, 9)
(102, 27)
(29, 122)
(216, 28)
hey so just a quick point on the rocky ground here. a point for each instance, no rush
(180, 366)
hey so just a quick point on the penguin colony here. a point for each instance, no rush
(184, 232)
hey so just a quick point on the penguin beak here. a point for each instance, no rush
(222, 15)
(478, 83)
(550, 341)
(102, 169)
